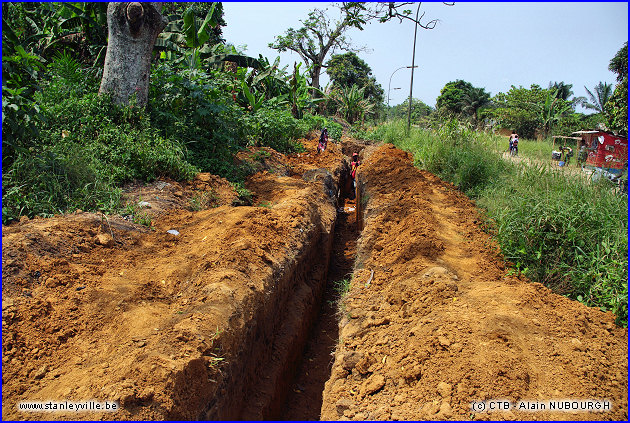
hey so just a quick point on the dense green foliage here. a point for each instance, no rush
(65, 147)
(85, 147)
(450, 98)
(346, 70)
(419, 110)
(556, 229)
(616, 109)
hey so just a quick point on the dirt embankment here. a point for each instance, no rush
(209, 323)
(440, 323)
(204, 324)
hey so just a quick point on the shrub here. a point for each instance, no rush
(85, 147)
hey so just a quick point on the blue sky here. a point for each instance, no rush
(491, 45)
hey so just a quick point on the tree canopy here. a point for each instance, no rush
(461, 98)
(616, 109)
(348, 69)
(598, 97)
(319, 36)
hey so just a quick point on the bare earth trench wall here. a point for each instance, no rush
(208, 325)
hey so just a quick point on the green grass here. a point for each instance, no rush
(565, 232)
(202, 200)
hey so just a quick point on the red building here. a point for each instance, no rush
(605, 150)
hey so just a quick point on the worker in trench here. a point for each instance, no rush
(354, 164)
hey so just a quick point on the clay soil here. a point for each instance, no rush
(100, 308)
(435, 321)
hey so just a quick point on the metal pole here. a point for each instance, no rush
(413, 61)
(390, 84)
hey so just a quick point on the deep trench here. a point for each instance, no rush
(286, 357)
(304, 398)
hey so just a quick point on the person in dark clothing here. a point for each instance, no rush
(323, 141)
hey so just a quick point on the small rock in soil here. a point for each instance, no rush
(350, 360)
(41, 372)
(443, 340)
(445, 410)
(144, 205)
(444, 389)
(373, 384)
(104, 239)
(343, 404)
(172, 232)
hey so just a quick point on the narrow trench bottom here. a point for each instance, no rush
(304, 400)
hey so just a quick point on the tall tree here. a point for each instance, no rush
(564, 91)
(319, 36)
(418, 109)
(450, 98)
(561, 89)
(473, 101)
(348, 69)
(133, 29)
(598, 97)
(515, 109)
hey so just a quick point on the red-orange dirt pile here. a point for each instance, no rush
(198, 324)
(434, 321)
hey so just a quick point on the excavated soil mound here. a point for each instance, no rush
(209, 322)
(433, 320)
(172, 326)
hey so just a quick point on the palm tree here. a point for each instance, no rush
(474, 100)
(564, 92)
(603, 92)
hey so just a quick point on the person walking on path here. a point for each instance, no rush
(323, 141)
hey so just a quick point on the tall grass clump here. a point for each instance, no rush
(453, 152)
(568, 234)
(565, 232)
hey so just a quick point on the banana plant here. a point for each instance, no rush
(185, 36)
(254, 103)
(300, 93)
(552, 110)
(352, 104)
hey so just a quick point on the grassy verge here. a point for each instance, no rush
(564, 232)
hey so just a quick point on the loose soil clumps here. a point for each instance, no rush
(434, 321)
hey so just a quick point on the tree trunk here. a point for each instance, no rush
(133, 29)
(315, 73)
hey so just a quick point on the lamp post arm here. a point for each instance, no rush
(389, 87)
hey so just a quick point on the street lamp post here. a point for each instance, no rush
(413, 61)
(390, 83)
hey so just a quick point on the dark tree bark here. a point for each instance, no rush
(133, 29)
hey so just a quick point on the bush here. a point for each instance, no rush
(85, 147)
(276, 128)
(194, 107)
(317, 122)
(567, 234)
